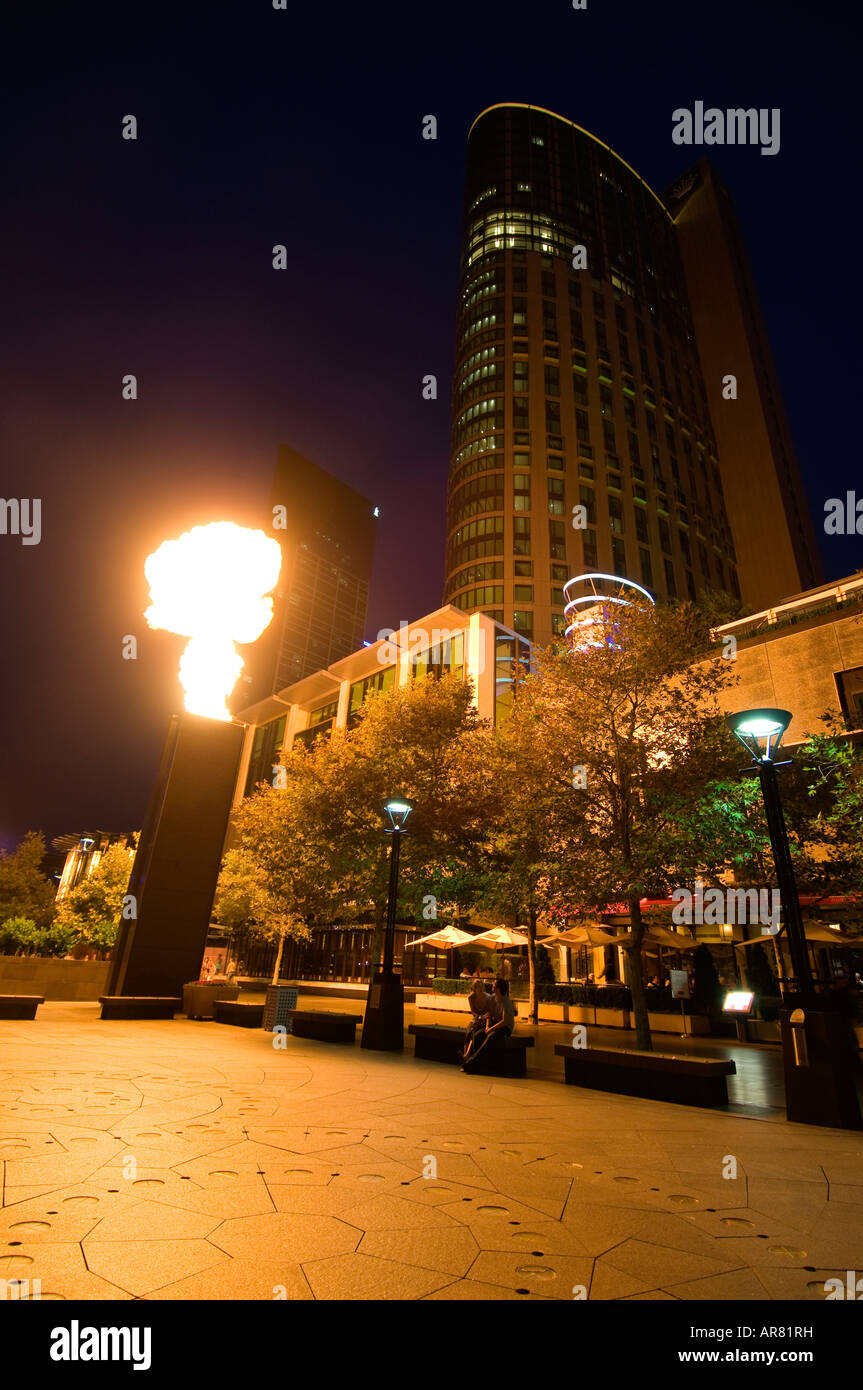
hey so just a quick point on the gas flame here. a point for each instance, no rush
(210, 585)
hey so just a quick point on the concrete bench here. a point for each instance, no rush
(437, 1043)
(20, 1005)
(650, 1075)
(324, 1026)
(241, 1015)
(139, 1006)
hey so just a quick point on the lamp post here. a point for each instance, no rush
(383, 1025)
(760, 731)
(820, 1084)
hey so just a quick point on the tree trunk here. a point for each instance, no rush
(532, 1007)
(643, 1040)
(278, 965)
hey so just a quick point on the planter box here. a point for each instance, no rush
(452, 1003)
(281, 999)
(673, 1023)
(53, 978)
(199, 1000)
(612, 1018)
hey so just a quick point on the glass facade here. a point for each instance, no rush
(266, 746)
(575, 357)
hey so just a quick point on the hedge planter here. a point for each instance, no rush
(673, 1023)
(199, 999)
(612, 1018)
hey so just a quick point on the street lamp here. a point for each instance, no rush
(820, 1084)
(383, 1025)
(760, 731)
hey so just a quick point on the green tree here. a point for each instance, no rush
(315, 842)
(21, 935)
(523, 846)
(623, 733)
(93, 908)
(244, 900)
(24, 890)
(18, 934)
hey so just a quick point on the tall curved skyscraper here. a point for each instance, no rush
(582, 438)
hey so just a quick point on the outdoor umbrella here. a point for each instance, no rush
(659, 936)
(498, 938)
(813, 931)
(579, 936)
(444, 940)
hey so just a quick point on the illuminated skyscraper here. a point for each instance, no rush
(770, 521)
(582, 438)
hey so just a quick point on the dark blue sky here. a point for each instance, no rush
(303, 127)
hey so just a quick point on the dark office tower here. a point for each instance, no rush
(320, 608)
(767, 509)
(574, 387)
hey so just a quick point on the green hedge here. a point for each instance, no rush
(659, 1001)
(612, 997)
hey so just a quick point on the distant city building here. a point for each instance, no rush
(470, 645)
(83, 851)
(327, 533)
(582, 433)
(764, 495)
(805, 655)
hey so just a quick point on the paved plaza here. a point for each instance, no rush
(190, 1160)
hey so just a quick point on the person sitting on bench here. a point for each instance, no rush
(479, 1003)
(499, 1024)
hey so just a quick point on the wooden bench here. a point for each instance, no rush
(650, 1075)
(139, 1006)
(437, 1043)
(241, 1015)
(20, 1005)
(324, 1026)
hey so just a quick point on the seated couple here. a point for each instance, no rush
(492, 1021)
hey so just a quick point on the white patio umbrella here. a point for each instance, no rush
(814, 932)
(447, 939)
(498, 938)
(443, 939)
(659, 936)
(579, 936)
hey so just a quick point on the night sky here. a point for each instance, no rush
(303, 127)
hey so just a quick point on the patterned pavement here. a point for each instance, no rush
(184, 1160)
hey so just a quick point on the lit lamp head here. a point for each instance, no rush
(760, 731)
(398, 811)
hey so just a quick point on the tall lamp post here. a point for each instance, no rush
(760, 731)
(384, 1022)
(820, 1083)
